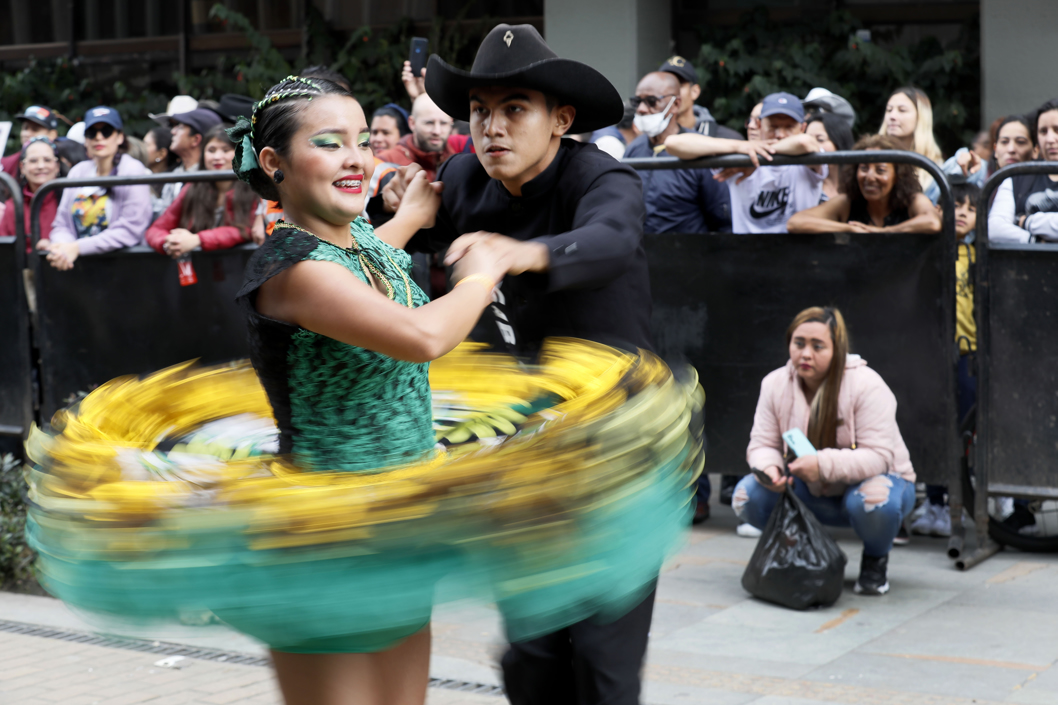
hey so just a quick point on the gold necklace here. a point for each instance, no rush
(369, 268)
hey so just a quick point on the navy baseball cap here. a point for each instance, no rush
(681, 68)
(41, 115)
(783, 104)
(105, 115)
(200, 119)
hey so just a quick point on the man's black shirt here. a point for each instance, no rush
(588, 209)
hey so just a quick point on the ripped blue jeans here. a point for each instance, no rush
(874, 508)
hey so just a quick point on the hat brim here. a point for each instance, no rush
(597, 102)
(35, 121)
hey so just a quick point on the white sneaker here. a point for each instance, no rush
(942, 523)
(748, 531)
(923, 525)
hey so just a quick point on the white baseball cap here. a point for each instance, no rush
(179, 104)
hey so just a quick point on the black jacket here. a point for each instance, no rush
(588, 209)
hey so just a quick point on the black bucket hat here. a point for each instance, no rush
(517, 56)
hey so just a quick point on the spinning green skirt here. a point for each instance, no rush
(555, 490)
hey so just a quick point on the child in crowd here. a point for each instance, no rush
(213, 215)
(936, 519)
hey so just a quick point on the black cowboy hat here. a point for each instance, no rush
(516, 56)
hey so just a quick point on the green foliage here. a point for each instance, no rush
(370, 59)
(64, 86)
(740, 65)
(16, 559)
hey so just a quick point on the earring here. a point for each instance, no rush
(277, 176)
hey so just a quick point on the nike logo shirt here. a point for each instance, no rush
(770, 195)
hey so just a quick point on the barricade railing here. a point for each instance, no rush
(1036, 446)
(941, 284)
(16, 381)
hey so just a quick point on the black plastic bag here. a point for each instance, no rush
(796, 563)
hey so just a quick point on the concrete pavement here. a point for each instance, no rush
(940, 637)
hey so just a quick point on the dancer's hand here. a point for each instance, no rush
(515, 255)
(393, 191)
(421, 199)
(483, 258)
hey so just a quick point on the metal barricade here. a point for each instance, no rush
(1017, 372)
(723, 301)
(16, 374)
(124, 312)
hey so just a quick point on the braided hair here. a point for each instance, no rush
(273, 122)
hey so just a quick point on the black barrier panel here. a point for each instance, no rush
(126, 313)
(724, 302)
(1022, 391)
(16, 381)
(1017, 331)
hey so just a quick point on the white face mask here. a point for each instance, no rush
(654, 125)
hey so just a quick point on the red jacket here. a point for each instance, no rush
(10, 163)
(47, 215)
(213, 239)
(407, 153)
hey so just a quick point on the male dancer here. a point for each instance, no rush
(569, 220)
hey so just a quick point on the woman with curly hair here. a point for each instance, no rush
(877, 198)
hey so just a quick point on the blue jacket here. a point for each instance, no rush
(680, 200)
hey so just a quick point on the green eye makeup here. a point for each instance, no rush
(363, 139)
(327, 139)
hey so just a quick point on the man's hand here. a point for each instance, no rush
(414, 85)
(806, 468)
(180, 242)
(513, 255)
(732, 171)
(755, 149)
(62, 255)
(969, 161)
(421, 200)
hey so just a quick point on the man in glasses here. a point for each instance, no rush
(187, 130)
(693, 116)
(676, 200)
(37, 121)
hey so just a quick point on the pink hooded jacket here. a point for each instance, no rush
(869, 441)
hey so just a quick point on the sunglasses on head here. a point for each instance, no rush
(106, 130)
(652, 101)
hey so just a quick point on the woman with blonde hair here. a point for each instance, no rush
(860, 474)
(909, 121)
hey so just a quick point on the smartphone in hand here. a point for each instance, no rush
(798, 443)
(418, 55)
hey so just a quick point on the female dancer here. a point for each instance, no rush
(340, 337)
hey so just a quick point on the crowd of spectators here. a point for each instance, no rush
(664, 118)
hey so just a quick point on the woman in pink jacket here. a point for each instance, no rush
(861, 475)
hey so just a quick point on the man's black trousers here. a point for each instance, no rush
(585, 664)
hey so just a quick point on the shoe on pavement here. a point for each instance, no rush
(748, 531)
(902, 539)
(701, 513)
(942, 523)
(873, 579)
(923, 525)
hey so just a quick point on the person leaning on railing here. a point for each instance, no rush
(1026, 206)
(877, 198)
(38, 163)
(213, 215)
(92, 219)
